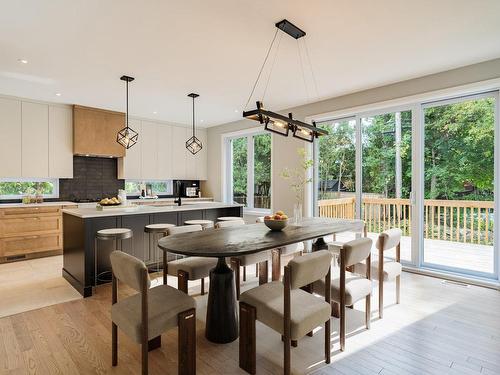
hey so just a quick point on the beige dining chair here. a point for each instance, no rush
(278, 253)
(348, 288)
(286, 308)
(260, 259)
(187, 268)
(386, 270)
(150, 312)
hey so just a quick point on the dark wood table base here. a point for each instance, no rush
(222, 316)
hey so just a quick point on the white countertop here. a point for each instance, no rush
(90, 212)
(60, 203)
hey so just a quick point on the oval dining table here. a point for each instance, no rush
(222, 316)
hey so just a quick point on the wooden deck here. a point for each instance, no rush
(468, 256)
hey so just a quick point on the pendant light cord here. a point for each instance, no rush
(261, 68)
(193, 117)
(126, 114)
(312, 70)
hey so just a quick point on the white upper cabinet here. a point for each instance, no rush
(60, 142)
(179, 156)
(10, 130)
(164, 146)
(149, 137)
(35, 140)
(201, 159)
(130, 166)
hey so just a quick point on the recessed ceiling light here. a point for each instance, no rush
(58, 94)
(202, 120)
(155, 112)
(236, 111)
(22, 61)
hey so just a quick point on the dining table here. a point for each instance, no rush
(222, 313)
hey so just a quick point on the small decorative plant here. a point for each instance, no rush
(299, 179)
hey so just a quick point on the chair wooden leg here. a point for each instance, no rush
(342, 327)
(114, 344)
(144, 350)
(263, 268)
(380, 298)
(247, 346)
(165, 269)
(187, 342)
(202, 286)
(256, 270)
(244, 273)
(286, 361)
(276, 264)
(368, 312)
(398, 289)
(235, 266)
(328, 353)
(335, 310)
(182, 281)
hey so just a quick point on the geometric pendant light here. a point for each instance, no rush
(193, 144)
(127, 137)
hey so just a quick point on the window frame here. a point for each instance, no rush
(227, 192)
(55, 182)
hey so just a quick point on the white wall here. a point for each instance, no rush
(284, 149)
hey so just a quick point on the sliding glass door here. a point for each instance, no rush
(386, 142)
(459, 191)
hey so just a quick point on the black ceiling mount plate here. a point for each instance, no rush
(290, 29)
(193, 95)
(127, 78)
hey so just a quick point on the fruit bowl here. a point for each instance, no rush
(276, 225)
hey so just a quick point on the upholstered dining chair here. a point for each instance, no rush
(150, 312)
(385, 270)
(187, 268)
(261, 259)
(348, 288)
(278, 253)
(286, 308)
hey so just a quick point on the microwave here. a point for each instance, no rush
(191, 192)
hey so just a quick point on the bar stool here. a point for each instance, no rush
(157, 230)
(115, 235)
(205, 224)
(229, 218)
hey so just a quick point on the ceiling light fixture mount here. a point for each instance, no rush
(127, 137)
(193, 144)
(275, 122)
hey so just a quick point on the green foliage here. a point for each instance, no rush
(20, 188)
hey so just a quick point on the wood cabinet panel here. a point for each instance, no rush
(10, 128)
(29, 211)
(95, 130)
(30, 225)
(11, 246)
(35, 140)
(60, 142)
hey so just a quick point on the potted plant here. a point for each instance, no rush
(298, 178)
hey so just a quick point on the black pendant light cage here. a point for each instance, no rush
(193, 144)
(275, 122)
(127, 136)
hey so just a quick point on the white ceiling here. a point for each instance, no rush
(80, 48)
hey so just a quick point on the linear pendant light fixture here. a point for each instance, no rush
(127, 137)
(275, 122)
(193, 144)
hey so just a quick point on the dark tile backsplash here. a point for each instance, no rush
(93, 179)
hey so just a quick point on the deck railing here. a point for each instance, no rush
(448, 220)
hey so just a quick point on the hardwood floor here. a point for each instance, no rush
(439, 328)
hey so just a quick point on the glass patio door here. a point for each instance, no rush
(386, 169)
(459, 185)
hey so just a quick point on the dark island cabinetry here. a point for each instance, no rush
(79, 240)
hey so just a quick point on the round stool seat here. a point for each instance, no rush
(229, 218)
(204, 223)
(114, 234)
(157, 228)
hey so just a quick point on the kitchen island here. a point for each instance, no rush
(81, 224)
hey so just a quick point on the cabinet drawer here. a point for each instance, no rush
(29, 244)
(21, 226)
(29, 211)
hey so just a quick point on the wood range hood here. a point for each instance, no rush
(94, 132)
